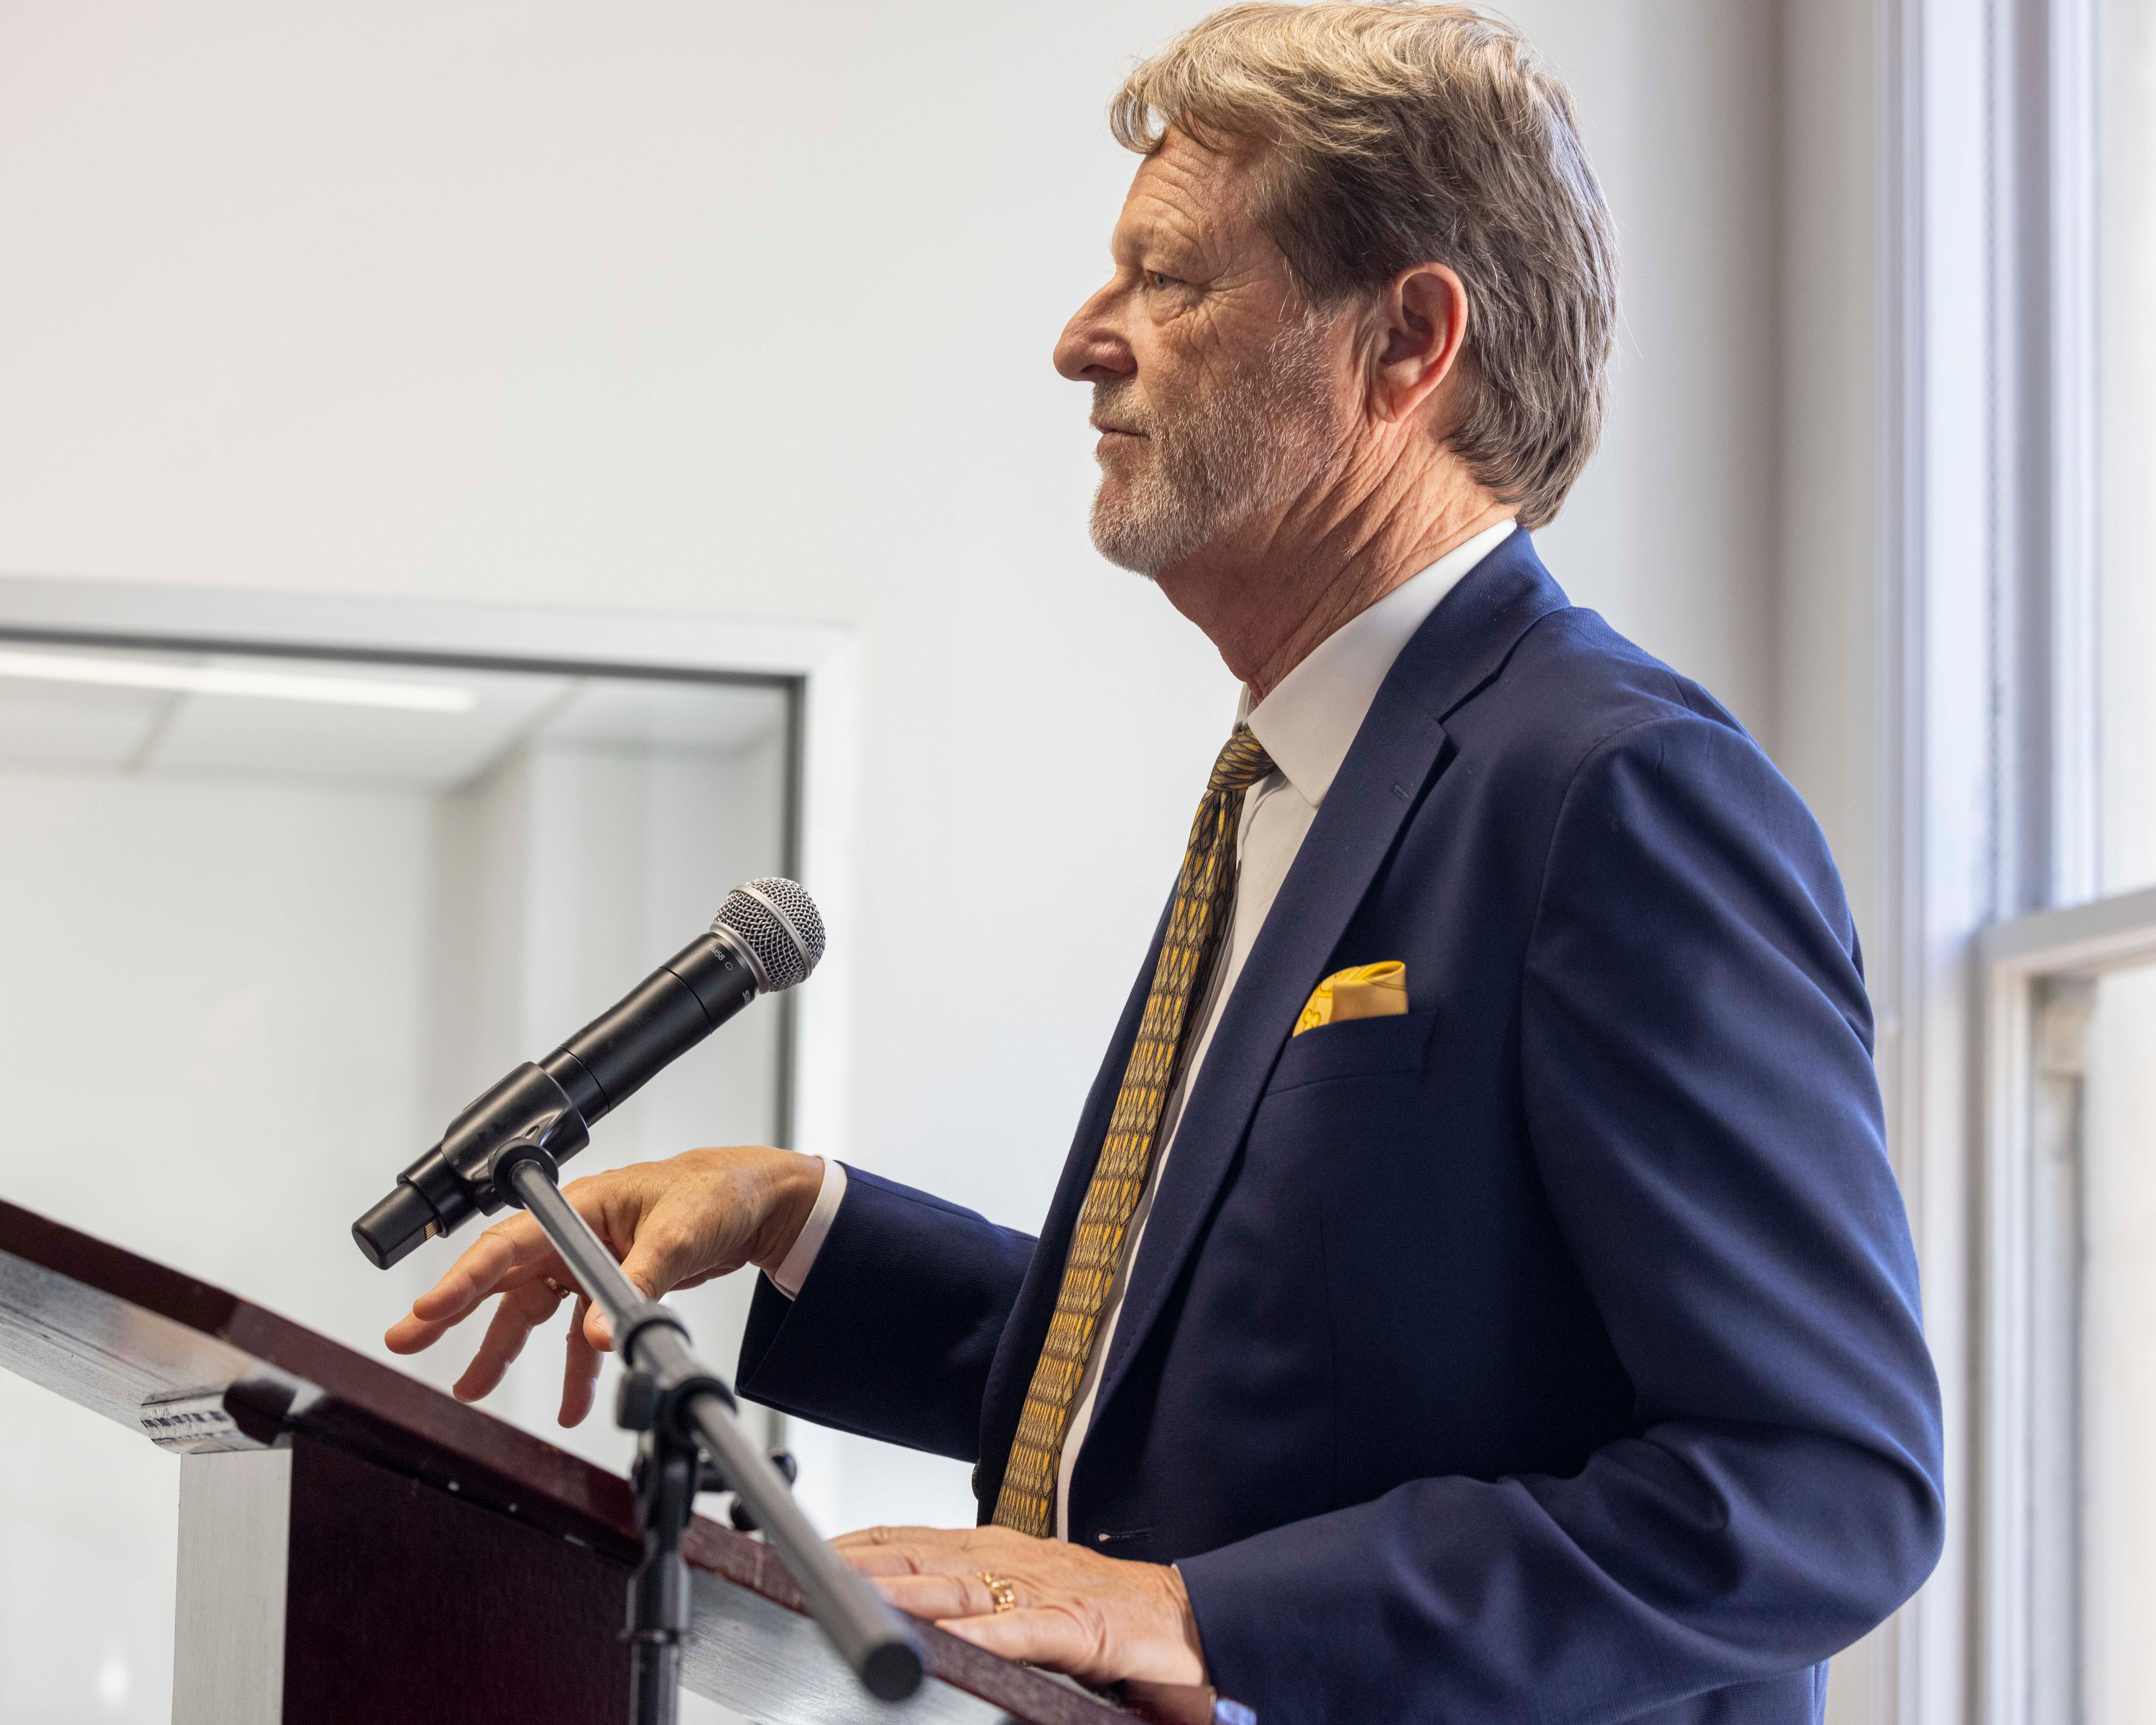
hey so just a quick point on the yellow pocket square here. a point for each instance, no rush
(1362, 991)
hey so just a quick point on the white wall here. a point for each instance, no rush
(737, 307)
(1825, 618)
(1671, 533)
(1825, 613)
(560, 876)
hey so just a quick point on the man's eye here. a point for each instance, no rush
(1160, 279)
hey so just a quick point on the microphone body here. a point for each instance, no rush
(767, 936)
(506, 1148)
(668, 1013)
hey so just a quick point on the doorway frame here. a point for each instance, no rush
(818, 666)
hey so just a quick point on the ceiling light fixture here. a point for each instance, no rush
(217, 680)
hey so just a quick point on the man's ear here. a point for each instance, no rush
(1420, 327)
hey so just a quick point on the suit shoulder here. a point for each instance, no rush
(1581, 717)
(1573, 686)
(1577, 709)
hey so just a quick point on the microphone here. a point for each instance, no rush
(767, 936)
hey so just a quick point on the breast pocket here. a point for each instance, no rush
(1341, 1118)
(1360, 1048)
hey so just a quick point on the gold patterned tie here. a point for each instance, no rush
(1204, 890)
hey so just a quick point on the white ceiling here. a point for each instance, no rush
(73, 727)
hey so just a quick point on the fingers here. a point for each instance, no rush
(934, 1573)
(672, 1223)
(936, 1597)
(872, 1560)
(937, 1574)
(1053, 1638)
(1037, 1599)
(521, 1310)
(664, 1254)
(941, 1573)
(513, 1253)
(580, 1368)
(958, 1538)
(594, 1331)
(655, 1270)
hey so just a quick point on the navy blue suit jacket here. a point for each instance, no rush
(1550, 1352)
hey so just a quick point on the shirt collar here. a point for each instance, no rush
(1310, 718)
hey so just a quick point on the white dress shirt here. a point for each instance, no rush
(1306, 725)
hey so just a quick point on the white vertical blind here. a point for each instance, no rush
(2118, 1411)
(2125, 178)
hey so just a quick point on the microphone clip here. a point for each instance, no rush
(466, 1173)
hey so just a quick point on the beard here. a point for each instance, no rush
(1209, 465)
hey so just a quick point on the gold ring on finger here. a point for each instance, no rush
(560, 1292)
(1004, 1595)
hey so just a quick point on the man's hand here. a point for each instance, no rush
(673, 1224)
(1101, 1619)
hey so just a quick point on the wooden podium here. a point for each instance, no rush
(358, 1548)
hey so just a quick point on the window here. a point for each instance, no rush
(2069, 1504)
(2018, 754)
(2118, 1348)
(275, 919)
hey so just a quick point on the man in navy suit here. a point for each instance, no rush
(1477, 1289)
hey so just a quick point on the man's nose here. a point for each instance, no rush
(1090, 349)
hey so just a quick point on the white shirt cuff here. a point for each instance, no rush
(801, 1259)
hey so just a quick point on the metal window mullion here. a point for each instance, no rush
(2006, 1521)
(2053, 1232)
(2072, 188)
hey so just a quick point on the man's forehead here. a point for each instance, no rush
(1186, 191)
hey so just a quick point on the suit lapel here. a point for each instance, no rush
(1395, 756)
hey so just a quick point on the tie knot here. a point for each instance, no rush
(1242, 763)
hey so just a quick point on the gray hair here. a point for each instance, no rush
(1390, 136)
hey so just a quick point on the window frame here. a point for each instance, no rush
(817, 665)
(1988, 789)
(2036, 974)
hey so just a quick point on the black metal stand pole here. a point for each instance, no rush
(666, 1481)
(686, 1413)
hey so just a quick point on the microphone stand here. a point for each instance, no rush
(690, 1440)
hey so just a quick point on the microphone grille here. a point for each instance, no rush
(778, 922)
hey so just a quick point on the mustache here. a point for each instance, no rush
(1116, 404)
